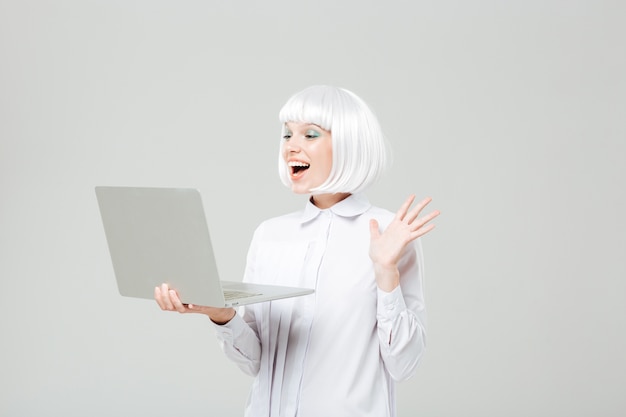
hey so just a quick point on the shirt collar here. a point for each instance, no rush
(353, 205)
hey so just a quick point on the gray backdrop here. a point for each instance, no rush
(509, 114)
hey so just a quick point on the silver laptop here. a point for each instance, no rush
(158, 235)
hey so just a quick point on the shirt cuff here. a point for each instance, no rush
(390, 304)
(231, 330)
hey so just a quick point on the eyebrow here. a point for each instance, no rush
(306, 124)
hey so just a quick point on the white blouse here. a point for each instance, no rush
(338, 351)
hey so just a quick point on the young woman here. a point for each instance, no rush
(336, 352)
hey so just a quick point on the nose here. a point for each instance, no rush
(292, 147)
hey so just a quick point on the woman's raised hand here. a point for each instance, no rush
(387, 247)
(168, 300)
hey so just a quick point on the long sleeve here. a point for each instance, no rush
(239, 338)
(401, 318)
(240, 344)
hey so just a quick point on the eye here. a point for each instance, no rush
(312, 134)
(287, 134)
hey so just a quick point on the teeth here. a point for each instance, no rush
(297, 164)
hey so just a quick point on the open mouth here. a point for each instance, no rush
(297, 167)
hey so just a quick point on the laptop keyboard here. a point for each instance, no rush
(232, 294)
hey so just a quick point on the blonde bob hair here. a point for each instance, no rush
(359, 147)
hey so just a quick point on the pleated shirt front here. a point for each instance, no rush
(339, 350)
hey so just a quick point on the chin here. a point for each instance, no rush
(300, 189)
(297, 190)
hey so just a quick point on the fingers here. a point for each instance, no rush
(168, 299)
(412, 215)
(161, 297)
(422, 221)
(422, 231)
(404, 208)
(178, 305)
(418, 226)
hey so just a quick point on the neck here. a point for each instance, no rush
(325, 201)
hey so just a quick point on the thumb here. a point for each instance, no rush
(374, 232)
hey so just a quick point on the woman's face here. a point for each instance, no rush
(307, 151)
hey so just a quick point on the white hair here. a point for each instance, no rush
(358, 144)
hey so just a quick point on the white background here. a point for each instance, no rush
(511, 115)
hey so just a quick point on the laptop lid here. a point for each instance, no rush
(160, 235)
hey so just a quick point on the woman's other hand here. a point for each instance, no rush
(168, 300)
(386, 248)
